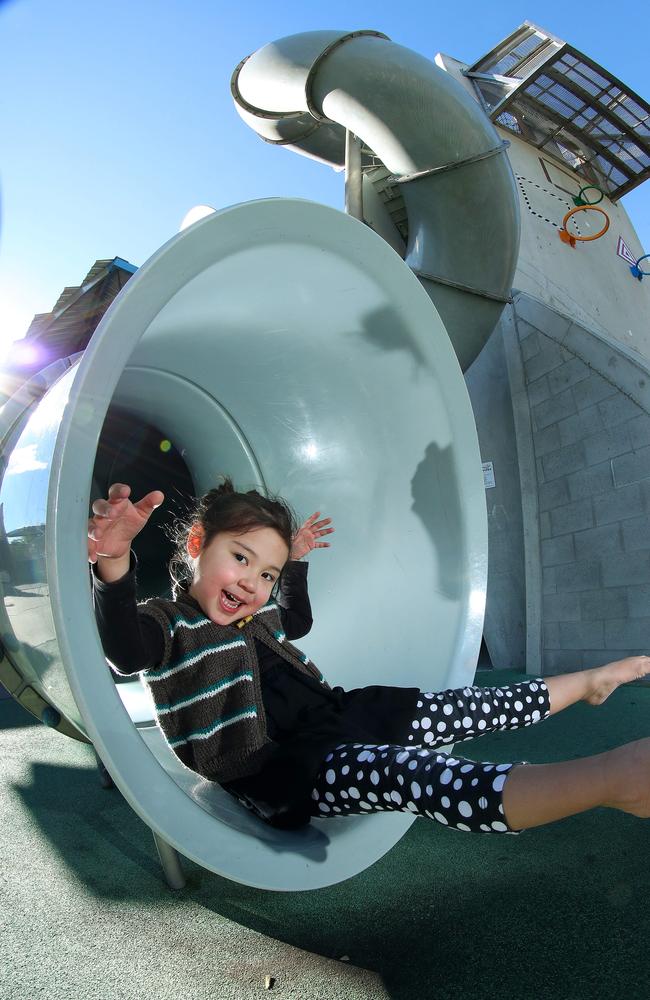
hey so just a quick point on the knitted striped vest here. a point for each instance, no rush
(207, 689)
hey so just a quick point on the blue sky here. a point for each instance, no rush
(117, 118)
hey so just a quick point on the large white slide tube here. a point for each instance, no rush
(283, 343)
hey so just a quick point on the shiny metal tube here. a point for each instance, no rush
(353, 177)
(305, 90)
(283, 343)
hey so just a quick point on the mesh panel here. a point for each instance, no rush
(521, 51)
(587, 85)
(509, 121)
(608, 128)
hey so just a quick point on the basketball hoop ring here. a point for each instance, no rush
(636, 270)
(580, 201)
(566, 237)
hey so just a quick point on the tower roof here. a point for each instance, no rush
(559, 100)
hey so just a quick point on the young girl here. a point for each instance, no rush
(241, 705)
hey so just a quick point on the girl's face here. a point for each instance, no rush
(234, 575)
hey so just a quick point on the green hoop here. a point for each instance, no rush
(588, 187)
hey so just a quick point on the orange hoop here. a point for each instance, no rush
(566, 236)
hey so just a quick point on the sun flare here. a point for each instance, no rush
(14, 322)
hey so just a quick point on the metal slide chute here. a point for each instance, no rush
(287, 345)
(350, 402)
(306, 90)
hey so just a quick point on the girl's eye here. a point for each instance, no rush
(269, 577)
(240, 557)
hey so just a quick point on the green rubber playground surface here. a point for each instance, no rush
(560, 912)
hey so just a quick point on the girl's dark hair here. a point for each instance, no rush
(224, 509)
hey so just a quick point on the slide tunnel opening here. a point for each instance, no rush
(163, 432)
(284, 344)
(145, 457)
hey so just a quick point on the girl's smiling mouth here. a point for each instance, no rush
(229, 603)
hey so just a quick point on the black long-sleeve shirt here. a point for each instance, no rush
(304, 719)
(134, 642)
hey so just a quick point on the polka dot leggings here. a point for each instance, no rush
(460, 793)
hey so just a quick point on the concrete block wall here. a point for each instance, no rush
(589, 405)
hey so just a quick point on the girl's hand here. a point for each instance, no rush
(308, 535)
(117, 521)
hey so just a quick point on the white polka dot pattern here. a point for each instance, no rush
(461, 794)
(458, 793)
(464, 713)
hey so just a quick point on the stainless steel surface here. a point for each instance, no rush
(353, 177)
(306, 90)
(286, 344)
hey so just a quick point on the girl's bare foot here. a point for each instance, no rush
(604, 680)
(629, 771)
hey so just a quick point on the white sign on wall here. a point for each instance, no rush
(488, 475)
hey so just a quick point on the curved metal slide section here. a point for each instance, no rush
(354, 403)
(306, 90)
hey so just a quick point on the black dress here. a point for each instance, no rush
(305, 721)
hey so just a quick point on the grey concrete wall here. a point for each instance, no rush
(592, 282)
(505, 614)
(589, 417)
(578, 409)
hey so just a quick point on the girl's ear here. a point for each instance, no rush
(195, 541)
